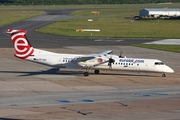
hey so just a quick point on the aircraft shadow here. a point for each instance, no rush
(120, 74)
(55, 71)
(9, 119)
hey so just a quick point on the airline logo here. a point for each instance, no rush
(22, 47)
(100, 60)
(131, 60)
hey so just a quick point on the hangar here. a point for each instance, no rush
(157, 12)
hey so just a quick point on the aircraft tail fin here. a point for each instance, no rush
(21, 44)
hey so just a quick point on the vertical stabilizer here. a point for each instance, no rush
(22, 46)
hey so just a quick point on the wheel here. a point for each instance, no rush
(96, 71)
(86, 74)
(163, 75)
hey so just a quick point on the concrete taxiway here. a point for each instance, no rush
(32, 91)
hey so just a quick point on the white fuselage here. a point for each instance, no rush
(124, 64)
(101, 61)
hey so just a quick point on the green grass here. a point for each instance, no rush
(114, 23)
(43, 7)
(8, 17)
(171, 48)
(114, 6)
(116, 26)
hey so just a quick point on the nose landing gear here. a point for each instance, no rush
(163, 75)
(86, 73)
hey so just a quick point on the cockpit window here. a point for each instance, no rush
(161, 63)
(158, 63)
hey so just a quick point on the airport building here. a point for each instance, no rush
(157, 12)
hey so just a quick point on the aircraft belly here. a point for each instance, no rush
(72, 66)
(113, 67)
(102, 67)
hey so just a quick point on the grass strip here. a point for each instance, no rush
(9, 17)
(115, 27)
(114, 23)
(114, 6)
(171, 48)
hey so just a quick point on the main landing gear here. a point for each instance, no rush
(96, 71)
(87, 72)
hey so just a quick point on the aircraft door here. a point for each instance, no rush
(138, 66)
(60, 62)
(143, 66)
(146, 67)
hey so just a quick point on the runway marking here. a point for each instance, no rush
(142, 95)
(100, 40)
(150, 94)
(166, 42)
(87, 100)
(63, 101)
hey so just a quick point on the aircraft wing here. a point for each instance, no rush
(91, 56)
(83, 58)
(106, 52)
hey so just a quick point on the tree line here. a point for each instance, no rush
(80, 2)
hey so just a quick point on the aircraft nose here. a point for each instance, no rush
(169, 70)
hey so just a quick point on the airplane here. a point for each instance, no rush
(102, 61)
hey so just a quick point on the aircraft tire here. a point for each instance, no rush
(96, 71)
(163, 75)
(86, 74)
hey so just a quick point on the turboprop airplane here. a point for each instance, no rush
(96, 62)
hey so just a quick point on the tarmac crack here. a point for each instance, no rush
(83, 113)
(78, 111)
(122, 104)
(132, 81)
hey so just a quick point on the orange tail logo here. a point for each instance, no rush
(21, 45)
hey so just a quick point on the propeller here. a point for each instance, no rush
(110, 61)
(120, 55)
